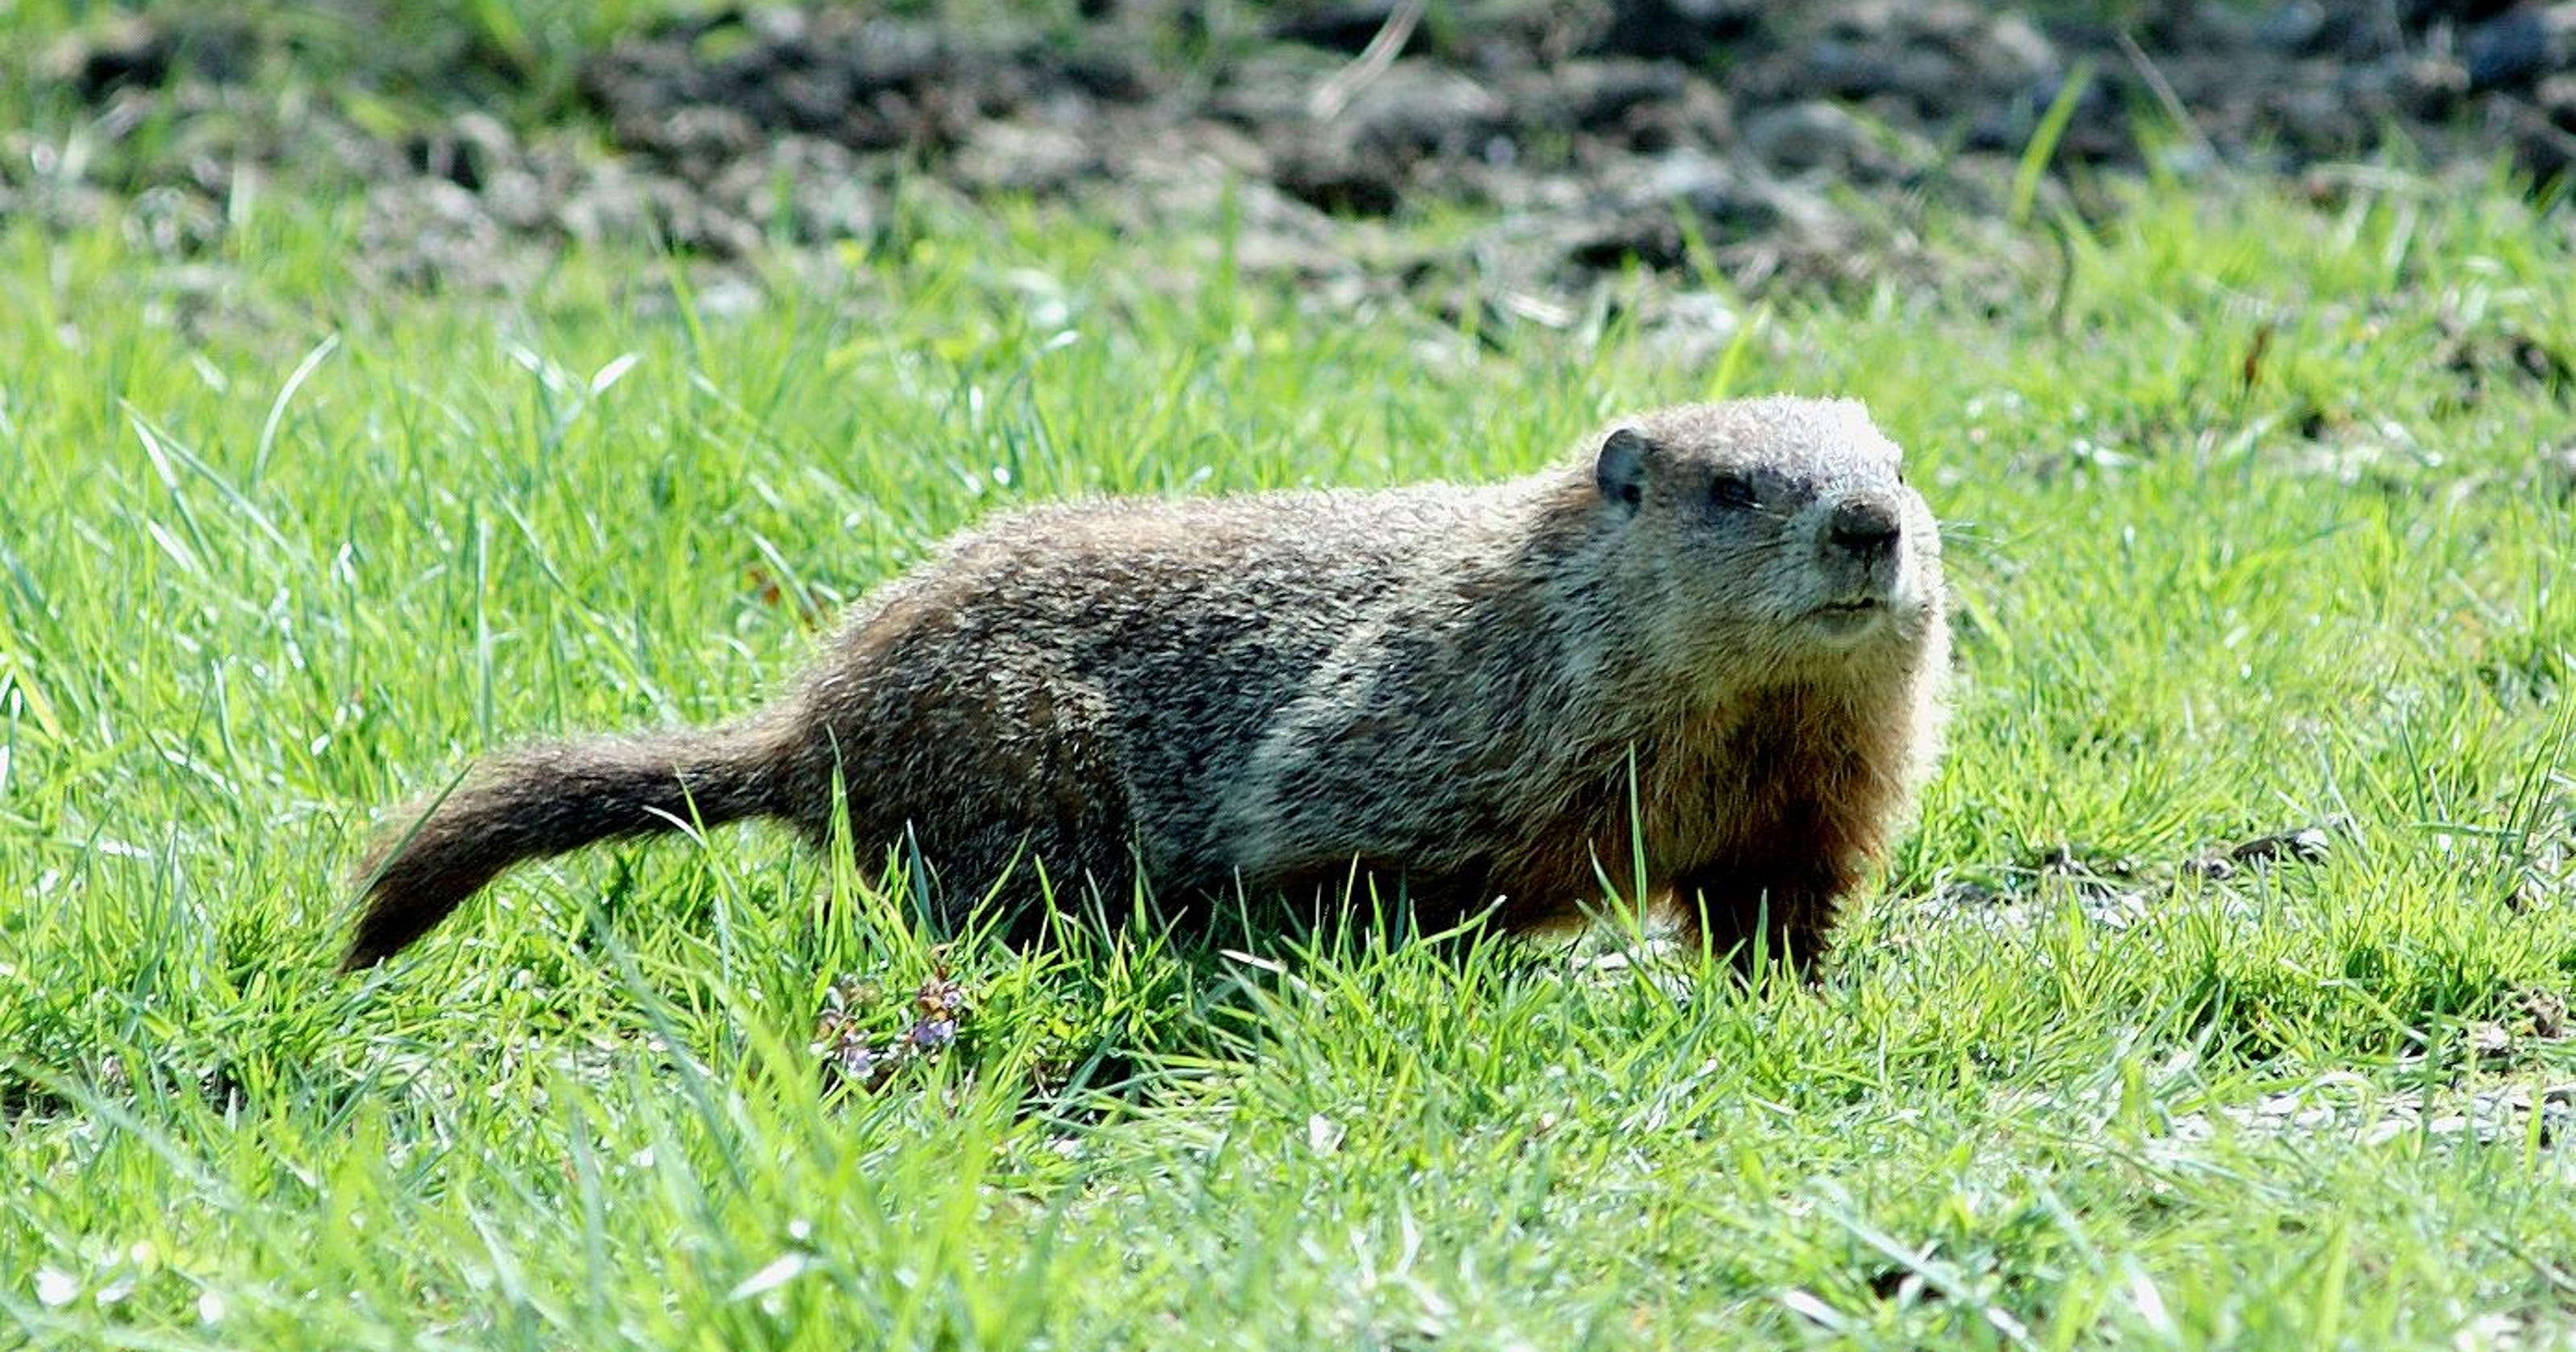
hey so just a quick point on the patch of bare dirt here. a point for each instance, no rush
(1772, 143)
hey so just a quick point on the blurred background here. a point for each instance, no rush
(1511, 155)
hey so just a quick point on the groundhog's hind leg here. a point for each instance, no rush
(1007, 794)
(1018, 871)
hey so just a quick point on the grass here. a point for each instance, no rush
(280, 547)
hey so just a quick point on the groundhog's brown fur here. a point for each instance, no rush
(1737, 609)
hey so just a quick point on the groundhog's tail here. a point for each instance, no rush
(547, 799)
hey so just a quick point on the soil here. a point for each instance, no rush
(1776, 144)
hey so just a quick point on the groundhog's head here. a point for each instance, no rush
(1778, 526)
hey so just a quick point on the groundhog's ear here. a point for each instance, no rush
(1621, 469)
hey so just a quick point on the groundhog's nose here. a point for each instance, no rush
(1863, 529)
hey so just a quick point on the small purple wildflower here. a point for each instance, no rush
(842, 1041)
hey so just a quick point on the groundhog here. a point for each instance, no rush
(1718, 627)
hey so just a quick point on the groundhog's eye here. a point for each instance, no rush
(1731, 491)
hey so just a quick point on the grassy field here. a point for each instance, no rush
(2266, 531)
